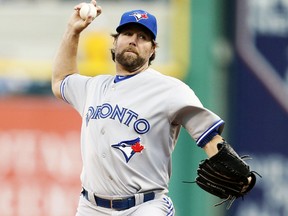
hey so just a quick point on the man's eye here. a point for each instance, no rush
(142, 37)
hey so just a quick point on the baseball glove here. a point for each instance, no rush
(225, 175)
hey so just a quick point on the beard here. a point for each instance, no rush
(130, 61)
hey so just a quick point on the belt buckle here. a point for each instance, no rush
(111, 203)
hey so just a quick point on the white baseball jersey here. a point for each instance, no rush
(130, 128)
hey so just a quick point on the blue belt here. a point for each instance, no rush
(118, 204)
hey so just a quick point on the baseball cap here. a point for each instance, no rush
(140, 17)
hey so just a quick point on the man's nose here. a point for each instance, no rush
(133, 39)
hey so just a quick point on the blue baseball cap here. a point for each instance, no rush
(140, 17)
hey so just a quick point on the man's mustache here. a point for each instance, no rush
(130, 49)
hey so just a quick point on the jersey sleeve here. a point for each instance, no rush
(73, 90)
(190, 113)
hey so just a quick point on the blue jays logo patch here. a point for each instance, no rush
(129, 148)
(138, 16)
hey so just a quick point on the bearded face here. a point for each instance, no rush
(130, 59)
(133, 47)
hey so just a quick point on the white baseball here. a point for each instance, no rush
(86, 10)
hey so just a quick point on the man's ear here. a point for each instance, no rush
(152, 51)
(115, 42)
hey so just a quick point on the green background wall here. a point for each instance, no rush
(206, 75)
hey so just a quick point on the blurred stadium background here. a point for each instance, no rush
(233, 53)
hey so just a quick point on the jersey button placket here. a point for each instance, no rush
(102, 131)
(110, 92)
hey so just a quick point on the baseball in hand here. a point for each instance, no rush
(86, 10)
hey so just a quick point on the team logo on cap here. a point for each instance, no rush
(138, 16)
(129, 148)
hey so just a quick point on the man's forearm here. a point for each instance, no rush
(65, 62)
(66, 58)
(211, 147)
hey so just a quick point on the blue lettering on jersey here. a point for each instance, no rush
(123, 115)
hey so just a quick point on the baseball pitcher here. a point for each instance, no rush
(131, 122)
